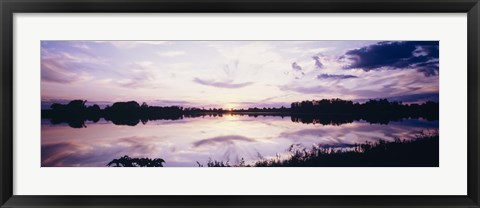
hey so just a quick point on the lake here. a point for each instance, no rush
(189, 141)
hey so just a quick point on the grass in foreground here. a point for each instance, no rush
(419, 152)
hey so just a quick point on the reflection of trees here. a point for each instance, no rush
(326, 112)
(337, 111)
(324, 119)
(131, 113)
(75, 113)
(127, 161)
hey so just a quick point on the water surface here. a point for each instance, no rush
(186, 141)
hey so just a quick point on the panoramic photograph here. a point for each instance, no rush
(353, 103)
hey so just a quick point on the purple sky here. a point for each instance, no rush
(237, 74)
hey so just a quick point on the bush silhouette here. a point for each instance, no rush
(127, 161)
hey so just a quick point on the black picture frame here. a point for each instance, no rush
(10, 7)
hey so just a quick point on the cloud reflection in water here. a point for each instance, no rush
(227, 138)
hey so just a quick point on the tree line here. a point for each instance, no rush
(373, 111)
(325, 111)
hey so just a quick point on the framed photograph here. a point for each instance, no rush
(269, 103)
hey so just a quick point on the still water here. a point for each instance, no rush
(184, 142)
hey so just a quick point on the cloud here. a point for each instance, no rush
(80, 45)
(220, 84)
(223, 140)
(248, 61)
(171, 103)
(335, 76)
(368, 85)
(318, 63)
(297, 67)
(171, 53)
(306, 90)
(333, 91)
(268, 99)
(142, 74)
(65, 67)
(420, 55)
(134, 83)
(53, 71)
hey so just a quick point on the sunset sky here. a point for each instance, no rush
(237, 74)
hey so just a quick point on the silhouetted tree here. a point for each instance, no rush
(127, 161)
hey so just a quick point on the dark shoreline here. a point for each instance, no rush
(327, 112)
